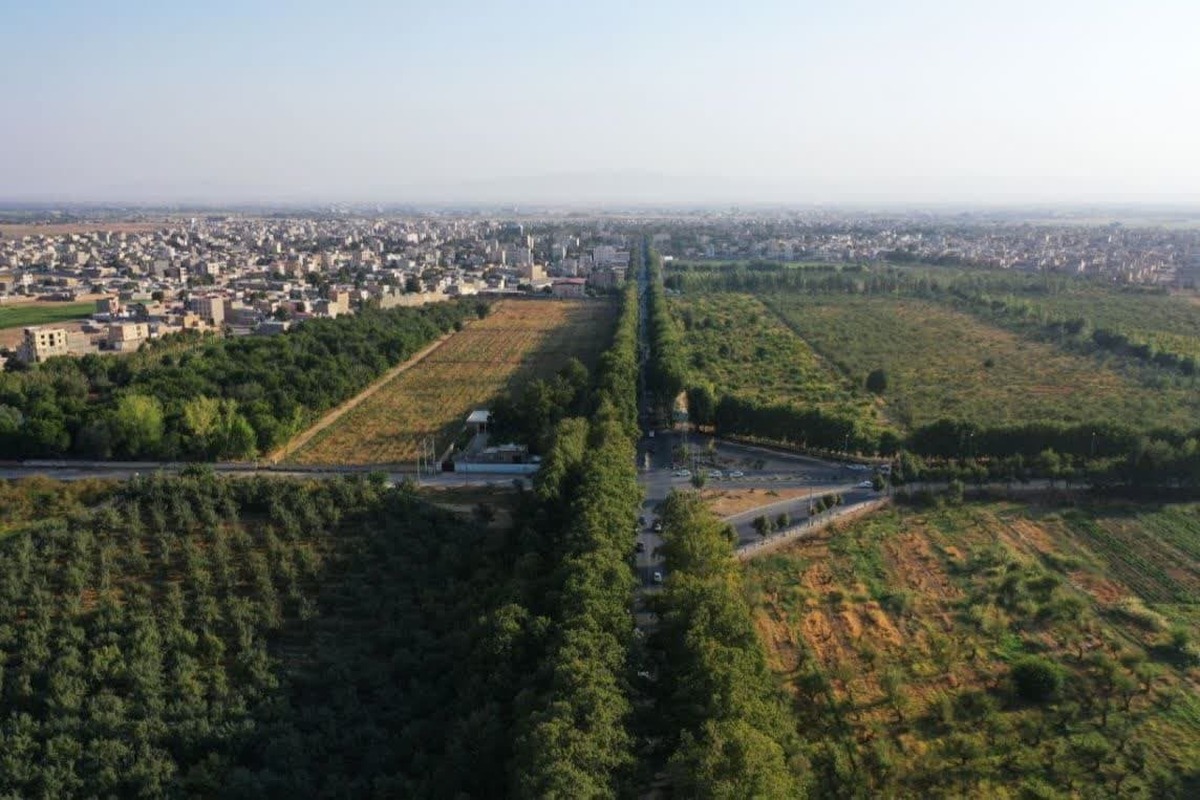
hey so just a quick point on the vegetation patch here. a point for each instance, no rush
(31, 314)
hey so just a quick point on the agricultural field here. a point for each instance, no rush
(940, 362)
(736, 344)
(907, 639)
(1168, 322)
(202, 637)
(29, 314)
(516, 342)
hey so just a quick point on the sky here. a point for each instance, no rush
(694, 101)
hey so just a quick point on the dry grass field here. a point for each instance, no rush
(518, 341)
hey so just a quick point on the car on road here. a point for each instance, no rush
(737, 473)
(714, 473)
(866, 485)
(658, 578)
(658, 526)
(640, 547)
(683, 473)
(641, 520)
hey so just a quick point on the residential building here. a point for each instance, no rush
(42, 343)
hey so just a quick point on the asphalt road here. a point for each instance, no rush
(78, 470)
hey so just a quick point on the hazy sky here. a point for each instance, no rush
(839, 100)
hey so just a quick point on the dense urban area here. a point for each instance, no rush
(252, 274)
(692, 503)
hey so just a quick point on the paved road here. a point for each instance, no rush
(78, 470)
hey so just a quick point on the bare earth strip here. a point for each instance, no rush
(333, 415)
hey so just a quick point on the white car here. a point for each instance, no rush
(714, 473)
(658, 578)
(684, 473)
(737, 473)
(866, 485)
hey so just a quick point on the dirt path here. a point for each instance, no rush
(334, 414)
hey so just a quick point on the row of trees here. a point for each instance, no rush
(812, 428)
(576, 740)
(722, 717)
(667, 376)
(204, 398)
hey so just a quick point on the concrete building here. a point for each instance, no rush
(108, 305)
(532, 272)
(127, 336)
(210, 309)
(42, 343)
(568, 287)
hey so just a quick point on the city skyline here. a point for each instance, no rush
(657, 103)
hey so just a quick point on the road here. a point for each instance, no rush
(123, 470)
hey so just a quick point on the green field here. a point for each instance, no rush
(28, 315)
(737, 345)
(945, 363)
(898, 637)
(1170, 323)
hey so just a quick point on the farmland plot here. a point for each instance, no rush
(945, 363)
(518, 341)
(903, 629)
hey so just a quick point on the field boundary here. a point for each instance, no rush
(336, 413)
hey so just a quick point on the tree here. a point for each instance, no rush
(783, 521)
(1036, 679)
(893, 683)
(702, 405)
(763, 525)
(877, 381)
(138, 425)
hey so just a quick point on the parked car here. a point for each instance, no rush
(714, 473)
(866, 485)
(658, 578)
(640, 547)
(658, 526)
(737, 473)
